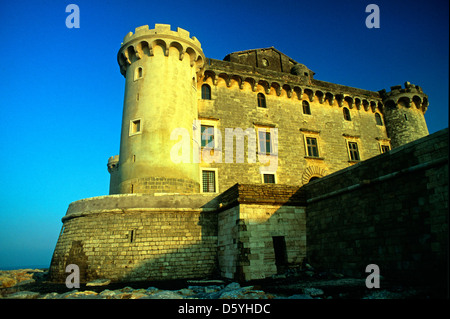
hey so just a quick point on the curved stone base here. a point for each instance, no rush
(136, 237)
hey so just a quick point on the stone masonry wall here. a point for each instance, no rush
(136, 243)
(391, 210)
(234, 107)
(247, 229)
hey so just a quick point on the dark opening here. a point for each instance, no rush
(279, 246)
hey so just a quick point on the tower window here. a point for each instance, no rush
(306, 108)
(353, 151)
(138, 73)
(269, 178)
(378, 119)
(347, 116)
(312, 148)
(261, 100)
(206, 92)
(135, 127)
(208, 181)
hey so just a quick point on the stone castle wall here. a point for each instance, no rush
(137, 237)
(391, 210)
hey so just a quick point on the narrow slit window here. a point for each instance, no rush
(138, 73)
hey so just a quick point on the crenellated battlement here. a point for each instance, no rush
(409, 94)
(144, 40)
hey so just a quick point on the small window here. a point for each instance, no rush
(206, 92)
(312, 148)
(269, 178)
(264, 142)
(353, 150)
(138, 73)
(347, 116)
(261, 100)
(207, 136)
(208, 181)
(378, 119)
(135, 127)
(306, 108)
(385, 148)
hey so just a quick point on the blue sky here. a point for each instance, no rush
(62, 92)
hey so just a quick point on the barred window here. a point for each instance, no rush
(312, 148)
(209, 181)
(269, 178)
(353, 150)
(385, 148)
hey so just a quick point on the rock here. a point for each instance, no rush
(232, 286)
(232, 294)
(314, 292)
(164, 294)
(303, 296)
(23, 295)
(7, 281)
(99, 282)
(186, 292)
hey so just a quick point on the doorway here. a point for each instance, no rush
(281, 260)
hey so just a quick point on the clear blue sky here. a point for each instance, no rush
(62, 92)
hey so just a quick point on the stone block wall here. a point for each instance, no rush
(132, 244)
(247, 229)
(391, 210)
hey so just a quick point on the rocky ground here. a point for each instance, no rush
(33, 284)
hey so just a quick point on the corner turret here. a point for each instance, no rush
(404, 110)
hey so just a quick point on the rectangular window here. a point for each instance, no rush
(135, 127)
(207, 136)
(264, 142)
(269, 178)
(353, 150)
(312, 148)
(385, 148)
(208, 181)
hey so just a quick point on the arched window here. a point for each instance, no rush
(206, 92)
(306, 108)
(378, 119)
(138, 73)
(261, 100)
(347, 116)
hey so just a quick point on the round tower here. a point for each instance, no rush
(160, 67)
(404, 110)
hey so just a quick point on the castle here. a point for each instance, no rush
(220, 162)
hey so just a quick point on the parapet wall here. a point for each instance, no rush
(391, 210)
